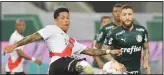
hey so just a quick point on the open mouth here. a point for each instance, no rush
(66, 25)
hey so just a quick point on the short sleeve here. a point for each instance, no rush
(46, 32)
(109, 39)
(78, 48)
(101, 35)
(145, 36)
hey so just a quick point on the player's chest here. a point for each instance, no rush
(64, 38)
(129, 37)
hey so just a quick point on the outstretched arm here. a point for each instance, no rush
(98, 52)
(26, 40)
(23, 55)
(29, 39)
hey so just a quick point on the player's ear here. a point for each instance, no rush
(133, 15)
(56, 20)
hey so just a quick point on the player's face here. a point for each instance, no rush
(116, 13)
(126, 17)
(105, 21)
(63, 21)
(20, 27)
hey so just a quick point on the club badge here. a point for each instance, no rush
(139, 38)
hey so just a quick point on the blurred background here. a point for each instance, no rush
(85, 22)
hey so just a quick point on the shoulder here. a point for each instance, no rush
(16, 37)
(140, 28)
(13, 35)
(51, 28)
(117, 29)
(109, 26)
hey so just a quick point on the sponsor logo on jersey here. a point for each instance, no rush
(132, 49)
(139, 29)
(119, 33)
(133, 72)
(109, 27)
(123, 39)
(139, 38)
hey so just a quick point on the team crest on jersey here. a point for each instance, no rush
(139, 38)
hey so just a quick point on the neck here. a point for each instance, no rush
(20, 33)
(129, 29)
(65, 31)
(61, 28)
(117, 22)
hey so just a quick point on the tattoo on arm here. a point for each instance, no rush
(29, 39)
(94, 52)
(109, 57)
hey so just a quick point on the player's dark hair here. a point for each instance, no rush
(59, 10)
(126, 6)
(104, 17)
(117, 5)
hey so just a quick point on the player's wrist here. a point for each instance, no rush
(33, 59)
(107, 51)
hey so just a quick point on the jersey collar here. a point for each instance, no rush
(18, 33)
(127, 29)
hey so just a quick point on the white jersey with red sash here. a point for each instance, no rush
(15, 62)
(59, 43)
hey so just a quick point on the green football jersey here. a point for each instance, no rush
(104, 31)
(100, 37)
(131, 44)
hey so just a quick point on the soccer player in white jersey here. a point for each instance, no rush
(62, 46)
(15, 60)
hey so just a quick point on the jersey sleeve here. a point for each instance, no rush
(78, 48)
(109, 39)
(46, 32)
(145, 36)
(101, 35)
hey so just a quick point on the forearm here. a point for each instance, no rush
(23, 55)
(26, 57)
(94, 52)
(146, 55)
(146, 52)
(28, 39)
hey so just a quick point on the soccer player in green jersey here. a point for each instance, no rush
(103, 33)
(104, 21)
(131, 39)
